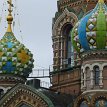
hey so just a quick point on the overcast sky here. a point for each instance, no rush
(36, 23)
(35, 17)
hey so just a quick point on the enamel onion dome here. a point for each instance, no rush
(90, 33)
(15, 58)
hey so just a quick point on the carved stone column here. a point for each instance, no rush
(101, 78)
(58, 60)
(92, 79)
(85, 82)
(82, 80)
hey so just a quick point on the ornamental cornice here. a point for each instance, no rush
(72, 2)
(10, 78)
(94, 54)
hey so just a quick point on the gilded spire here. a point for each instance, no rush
(9, 17)
(101, 1)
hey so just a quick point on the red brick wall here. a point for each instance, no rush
(67, 82)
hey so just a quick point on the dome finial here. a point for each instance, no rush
(101, 1)
(9, 17)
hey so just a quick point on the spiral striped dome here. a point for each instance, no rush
(90, 33)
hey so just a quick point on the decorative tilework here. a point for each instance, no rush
(14, 57)
(8, 67)
(9, 44)
(23, 56)
(91, 31)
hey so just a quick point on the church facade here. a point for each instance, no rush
(79, 77)
(79, 47)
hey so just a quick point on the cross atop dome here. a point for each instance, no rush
(9, 17)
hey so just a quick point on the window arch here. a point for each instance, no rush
(67, 48)
(96, 74)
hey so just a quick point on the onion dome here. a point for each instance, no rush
(15, 58)
(90, 33)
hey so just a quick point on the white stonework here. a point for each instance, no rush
(91, 66)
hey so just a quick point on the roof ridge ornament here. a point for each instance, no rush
(9, 17)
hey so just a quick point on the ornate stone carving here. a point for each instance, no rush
(81, 99)
(65, 17)
(23, 94)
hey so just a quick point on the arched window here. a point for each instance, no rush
(67, 48)
(97, 74)
(84, 104)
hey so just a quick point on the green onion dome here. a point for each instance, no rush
(14, 57)
(90, 33)
(16, 61)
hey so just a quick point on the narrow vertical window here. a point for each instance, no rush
(67, 46)
(97, 74)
